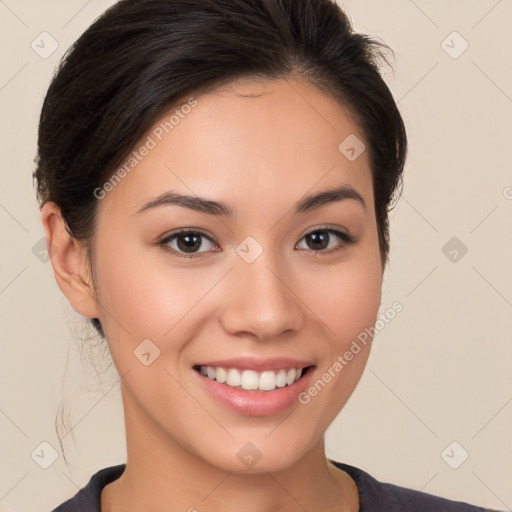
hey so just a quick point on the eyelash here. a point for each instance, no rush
(347, 239)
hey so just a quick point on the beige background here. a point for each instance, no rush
(439, 372)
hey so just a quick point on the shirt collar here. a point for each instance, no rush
(373, 495)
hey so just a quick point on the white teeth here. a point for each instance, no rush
(268, 381)
(251, 380)
(234, 378)
(220, 375)
(290, 376)
(281, 379)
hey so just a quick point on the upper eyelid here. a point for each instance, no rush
(186, 231)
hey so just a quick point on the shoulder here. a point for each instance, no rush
(88, 498)
(375, 496)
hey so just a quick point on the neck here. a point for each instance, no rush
(160, 471)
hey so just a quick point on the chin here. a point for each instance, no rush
(260, 455)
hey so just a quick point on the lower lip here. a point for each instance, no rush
(256, 403)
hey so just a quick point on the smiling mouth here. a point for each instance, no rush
(250, 380)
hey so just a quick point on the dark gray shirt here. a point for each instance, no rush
(374, 496)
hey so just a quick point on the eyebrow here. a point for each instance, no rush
(210, 207)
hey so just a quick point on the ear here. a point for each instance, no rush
(69, 262)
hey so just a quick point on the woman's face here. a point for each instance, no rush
(268, 287)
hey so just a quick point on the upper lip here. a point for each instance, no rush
(258, 364)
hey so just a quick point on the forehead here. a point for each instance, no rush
(269, 139)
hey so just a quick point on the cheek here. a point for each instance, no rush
(355, 304)
(143, 298)
(346, 298)
(347, 310)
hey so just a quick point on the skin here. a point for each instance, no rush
(259, 147)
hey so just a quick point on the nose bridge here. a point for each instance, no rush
(260, 300)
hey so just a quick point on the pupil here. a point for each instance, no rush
(321, 237)
(191, 242)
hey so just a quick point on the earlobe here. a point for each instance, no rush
(69, 261)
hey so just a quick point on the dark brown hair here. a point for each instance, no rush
(141, 56)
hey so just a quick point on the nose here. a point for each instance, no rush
(260, 300)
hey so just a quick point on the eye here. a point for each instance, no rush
(320, 239)
(187, 243)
